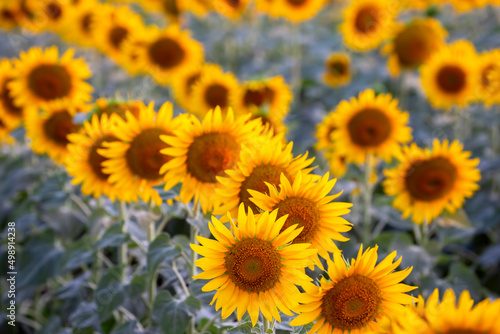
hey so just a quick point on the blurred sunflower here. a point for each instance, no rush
(211, 90)
(467, 5)
(369, 125)
(252, 266)
(232, 9)
(134, 161)
(49, 132)
(489, 62)
(43, 80)
(337, 69)
(419, 4)
(429, 181)
(172, 9)
(307, 203)
(367, 23)
(297, 10)
(198, 7)
(46, 15)
(109, 108)
(267, 6)
(357, 296)
(10, 14)
(413, 44)
(450, 77)
(256, 169)
(5, 130)
(9, 112)
(84, 163)
(82, 18)
(183, 83)
(164, 54)
(201, 151)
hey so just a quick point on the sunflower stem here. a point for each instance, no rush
(367, 199)
(425, 233)
(152, 280)
(268, 326)
(194, 232)
(418, 233)
(123, 249)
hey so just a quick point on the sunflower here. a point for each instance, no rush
(5, 130)
(450, 77)
(201, 151)
(252, 266)
(232, 9)
(357, 296)
(49, 131)
(489, 62)
(212, 90)
(183, 84)
(133, 163)
(84, 163)
(46, 15)
(413, 44)
(255, 170)
(297, 10)
(324, 130)
(109, 108)
(43, 80)
(369, 125)
(10, 14)
(306, 203)
(165, 53)
(172, 9)
(198, 7)
(267, 6)
(82, 18)
(367, 23)
(337, 69)
(428, 181)
(467, 5)
(9, 112)
(270, 98)
(448, 317)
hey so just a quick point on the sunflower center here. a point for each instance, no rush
(86, 22)
(485, 75)
(414, 45)
(462, 331)
(8, 101)
(451, 79)
(216, 95)
(191, 80)
(233, 3)
(367, 20)
(338, 68)
(352, 303)
(143, 156)
(95, 159)
(211, 154)
(255, 181)
(58, 126)
(119, 109)
(2, 124)
(297, 3)
(301, 211)
(171, 7)
(253, 265)
(430, 180)
(7, 15)
(54, 11)
(369, 127)
(117, 35)
(166, 53)
(258, 97)
(50, 82)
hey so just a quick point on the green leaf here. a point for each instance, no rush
(463, 278)
(84, 316)
(193, 304)
(136, 287)
(113, 237)
(126, 328)
(110, 293)
(160, 250)
(172, 316)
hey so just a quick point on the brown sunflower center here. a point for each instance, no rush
(367, 19)
(462, 331)
(54, 11)
(166, 53)
(451, 79)
(430, 180)
(485, 75)
(338, 68)
(369, 127)
(255, 181)
(190, 82)
(258, 97)
(414, 45)
(50, 82)
(211, 154)
(119, 109)
(117, 35)
(297, 3)
(217, 95)
(301, 211)
(143, 156)
(8, 101)
(2, 124)
(253, 265)
(95, 160)
(58, 126)
(352, 303)
(171, 7)
(86, 22)
(7, 15)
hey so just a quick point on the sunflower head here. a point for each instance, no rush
(232, 9)
(297, 10)
(337, 69)
(10, 15)
(82, 17)
(9, 111)
(489, 88)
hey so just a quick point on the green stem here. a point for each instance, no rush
(152, 281)
(123, 249)
(418, 233)
(268, 325)
(367, 200)
(193, 233)
(425, 233)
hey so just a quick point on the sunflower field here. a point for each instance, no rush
(250, 166)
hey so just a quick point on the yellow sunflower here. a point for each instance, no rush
(49, 132)
(255, 170)
(232, 9)
(267, 6)
(9, 112)
(212, 90)
(43, 80)
(252, 266)
(419, 4)
(450, 77)
(5, 130)
(429, 181)
(84, 163)
(10, 14)
(448, 317)
(46, 15)
(337, 163)
(297, 10)
(172, 9)
(467, 5)
(183, 84)
(367, 23)
(133, 163)
(324, 131)
(198, 7)
(307, 202)
(109, 108)
(413, 44)
(357, 296)
(337, 69)
(82, 18)
(201, 151)
(369, 125)
(270, 98)
(166, 53)
(489, 62)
